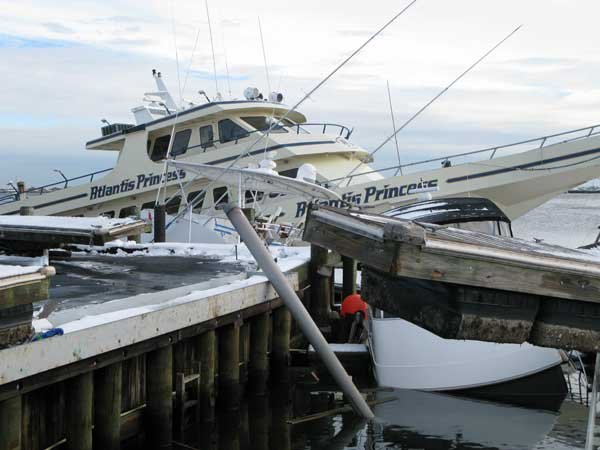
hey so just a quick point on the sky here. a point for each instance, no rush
(68, 64)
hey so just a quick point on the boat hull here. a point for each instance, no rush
(406, 356)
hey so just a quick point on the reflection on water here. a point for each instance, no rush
(412, 420)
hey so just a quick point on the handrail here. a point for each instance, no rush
(544, 143)
(15, 197)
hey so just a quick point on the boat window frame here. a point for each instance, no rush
(220, 195)
(211, 142)
(223, 140)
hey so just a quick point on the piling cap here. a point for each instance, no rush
(353, 304)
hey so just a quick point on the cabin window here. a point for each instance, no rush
(159, 150)
(207, 137)
(180, 145)
(149, 205)
(230, 131)
(181, 142)
(129, 211)
(197, 196)
(172, 205)
(109, 214)
(220, 195)
(263, 123)
(251, 195)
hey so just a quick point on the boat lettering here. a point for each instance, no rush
(371, 194)
(141, 181)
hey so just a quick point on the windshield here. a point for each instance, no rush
(263, 123)
(495, 227)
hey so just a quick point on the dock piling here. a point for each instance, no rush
(160, 216)
(280, 350)
(348, 277)
(10, 423)
(321, 287)
(207, 354)
(108, 383)
(591, 425)
(258, 370)
(229, 366)
(159, 403)
(79, 412)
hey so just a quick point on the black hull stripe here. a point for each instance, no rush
(216, 161)
(523, 166)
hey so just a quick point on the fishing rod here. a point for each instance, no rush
(199, 197)
(394, 129)
(430, 102)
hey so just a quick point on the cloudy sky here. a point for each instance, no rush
(67, 64)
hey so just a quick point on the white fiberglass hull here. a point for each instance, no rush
(406, 356)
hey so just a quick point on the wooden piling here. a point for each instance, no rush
(160, 223)
(280, 347)
(244, 351)
(229, 366)
(206, 351)
(10, 423)
(108, 383)
(321, 287)
(258, 367)
(349, 276)
(79, 412)
(159, 403)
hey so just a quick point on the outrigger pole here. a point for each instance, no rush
(430, 102)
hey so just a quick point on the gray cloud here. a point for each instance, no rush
(58, 28)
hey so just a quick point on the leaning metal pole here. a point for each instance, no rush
(591, 426)
(299, 312)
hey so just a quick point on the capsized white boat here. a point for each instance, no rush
(408, 357)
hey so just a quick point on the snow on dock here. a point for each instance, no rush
(35, 233)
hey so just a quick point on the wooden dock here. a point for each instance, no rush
(143, 379)
(34, 234)
(478, 286)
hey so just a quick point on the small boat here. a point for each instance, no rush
(406, 356)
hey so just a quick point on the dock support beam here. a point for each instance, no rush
(297, 309)
(10, 423)
(160, 218)
(159, 403)
(108, 383)
(258, 370)
(280, 351)
(321, 287)
(229, 366)
(207, 356)
(349, 277)
(79, 412)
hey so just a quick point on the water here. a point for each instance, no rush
(408, 420)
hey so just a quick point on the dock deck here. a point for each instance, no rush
(481, 287)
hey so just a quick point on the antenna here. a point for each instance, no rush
(226, 63)
(442, 92)
(394, 129)
(262, 42)
(212, 46)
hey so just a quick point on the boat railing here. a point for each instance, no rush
(540, 143)
(38, 190)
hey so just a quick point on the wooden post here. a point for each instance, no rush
(229, 366)
(280, 349)
(320, 275)
(244, 351)
(259, 416)
(79, 412)
(26, 211)
(206, 353)
(258, 367)
(160, 223)
(108, 383)
(10, 423)
(159, 403)
(349, 277)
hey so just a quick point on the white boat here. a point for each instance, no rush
(406, 356)
(517, 177)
